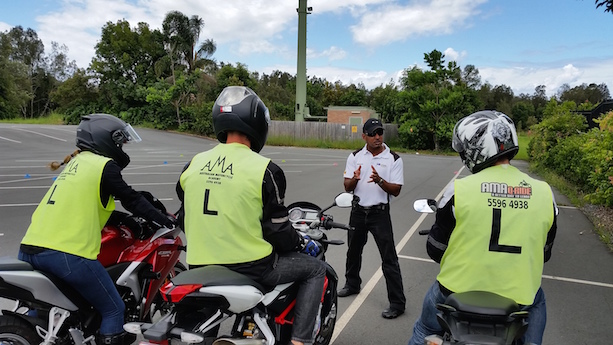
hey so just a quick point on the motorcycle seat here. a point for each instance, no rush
(482, 302)
(8, 263)
(214, 275)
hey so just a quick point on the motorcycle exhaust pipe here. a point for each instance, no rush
(233, 341)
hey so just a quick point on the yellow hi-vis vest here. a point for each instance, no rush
(223, 206)
(502, 220)
(71, 216)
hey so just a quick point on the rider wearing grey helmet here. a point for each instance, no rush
(494, 229)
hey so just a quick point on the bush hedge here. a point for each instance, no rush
(561, 144)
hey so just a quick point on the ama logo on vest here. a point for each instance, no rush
(503, 190)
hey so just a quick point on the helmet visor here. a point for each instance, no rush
(131, 135)
(233, 95)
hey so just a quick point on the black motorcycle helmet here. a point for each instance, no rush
(238, 108)
(105, 135)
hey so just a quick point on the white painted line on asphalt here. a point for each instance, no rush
(342, 321)
(28, 179)
(44, 135)
(22, 167)
(580, 281)
(416, 258)
(36, 204)
(132, 184)
(18, 205)
(24, 187)
(569, 207)
(545, 276)
(7, 139)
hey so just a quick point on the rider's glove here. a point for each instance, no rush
(171, 221)
(309, 246)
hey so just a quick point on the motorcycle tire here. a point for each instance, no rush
(16, 331)
(159, 305)
(328, 316)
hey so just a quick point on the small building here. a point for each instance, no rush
(352, 116)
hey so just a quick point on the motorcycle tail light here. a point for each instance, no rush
(433, 340)
(174, 294)
(191, 338)
(132, 327)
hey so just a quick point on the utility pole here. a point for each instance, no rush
(302, 111)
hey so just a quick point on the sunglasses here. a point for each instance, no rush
(378, 131)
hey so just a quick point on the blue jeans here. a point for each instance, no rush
(89, 278)
(309, 273)
(427, 324)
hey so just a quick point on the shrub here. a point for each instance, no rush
(413, 136)
(550, 132)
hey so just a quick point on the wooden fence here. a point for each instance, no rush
(323, 130)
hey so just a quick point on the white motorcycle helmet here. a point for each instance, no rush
(483, 137)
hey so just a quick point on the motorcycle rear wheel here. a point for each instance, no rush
(15, 331)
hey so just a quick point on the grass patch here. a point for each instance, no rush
(51, 119)
(523, 139)
(327, 144)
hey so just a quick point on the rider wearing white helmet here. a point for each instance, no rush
(494, 229)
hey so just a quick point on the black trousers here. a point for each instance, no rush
(379, 223)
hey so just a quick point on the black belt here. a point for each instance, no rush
(379, 207)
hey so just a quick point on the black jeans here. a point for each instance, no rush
(379, 223)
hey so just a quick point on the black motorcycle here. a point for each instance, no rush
(475, 317)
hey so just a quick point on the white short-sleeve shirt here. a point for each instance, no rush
(389, 166)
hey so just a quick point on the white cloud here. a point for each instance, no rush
(452, 55)
(5, 27)
(332, 53)
(394, 22)
(525, 80)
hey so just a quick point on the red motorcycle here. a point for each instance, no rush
(139, 256)
(205, 297)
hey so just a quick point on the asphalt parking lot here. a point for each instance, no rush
(578, 280)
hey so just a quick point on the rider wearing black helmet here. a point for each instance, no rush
(65, 233)
(232, 199)
(494, 229)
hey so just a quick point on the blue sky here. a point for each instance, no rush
(518, 43)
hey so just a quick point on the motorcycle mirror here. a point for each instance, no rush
(341, 200)
(425, 205)
(344, 200)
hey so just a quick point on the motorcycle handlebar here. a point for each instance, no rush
(424, 232)
(331, 224)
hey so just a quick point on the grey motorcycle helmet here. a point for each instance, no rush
(238, 108)
(105, 135)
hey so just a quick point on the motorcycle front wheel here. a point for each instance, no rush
(328, 316)
(159, 307)
(15, 331)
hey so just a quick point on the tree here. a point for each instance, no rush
(607, 4)
(181, 37)
(13, 96)
(24, 46)
(76, 96)
(471, 77)
(229, 75)
(125, 61)
(384, 100)
(435, 100)
(584, 93)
